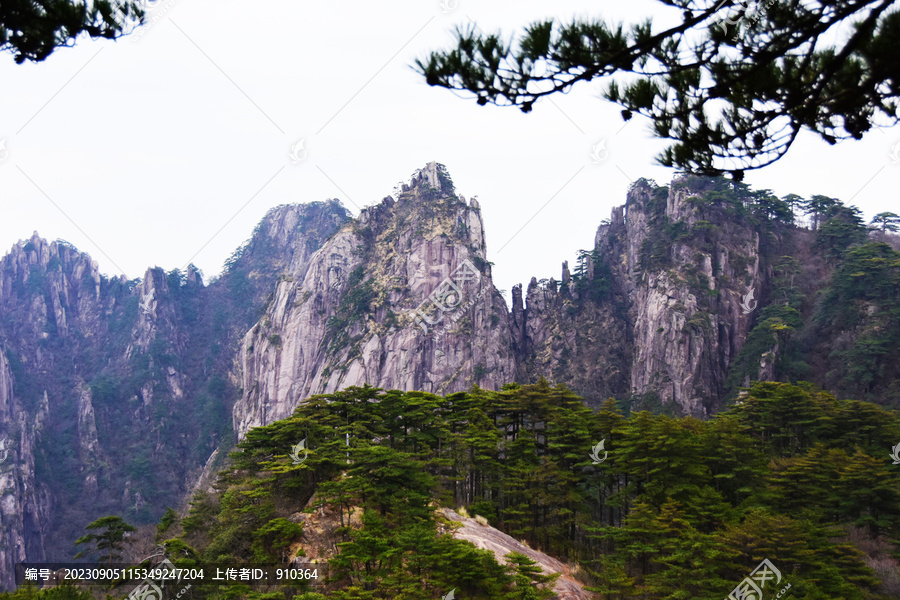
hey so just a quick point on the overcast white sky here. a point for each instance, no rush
(169, 146)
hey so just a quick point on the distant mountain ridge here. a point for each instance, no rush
(107, 384)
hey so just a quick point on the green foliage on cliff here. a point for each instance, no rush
(776, 327)
(108, 540)
(829, 298)
(845, 339)
(667, 508)
(445, 180)
(74, 338)
(864, 298)
(354, 306)
(720, 208)
(597, 284)
(843, 228)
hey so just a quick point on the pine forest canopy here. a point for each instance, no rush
(732, 85)
(678, 507)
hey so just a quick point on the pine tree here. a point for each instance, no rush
(736, 462)
(613, 583)
(886, 221)
(869, 494)
(689, 564)
(673, 71)
(517, 512)
(109, 541)
(530, 582)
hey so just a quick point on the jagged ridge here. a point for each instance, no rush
(107, 383)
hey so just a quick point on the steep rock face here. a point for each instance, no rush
(47, 296)
(654, 312)
(655, 308)
(62, 330)
(107, 384)
(573, 333)
(402, 298)
(686, 310)
(24, 503)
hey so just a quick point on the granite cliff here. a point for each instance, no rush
(369, 307)
(114, 393)
(116, 396)
(348, 315)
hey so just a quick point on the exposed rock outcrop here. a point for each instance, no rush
(400, 298)
(501, 544)
(114, 393)
(24, 501)
(653, 311)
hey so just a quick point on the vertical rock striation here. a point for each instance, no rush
(24, 502)
(347, 316)
(114, 393)
(653, 311)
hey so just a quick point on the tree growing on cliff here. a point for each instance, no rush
(818, 207)
(109, 540)
(843, 228)
(886, 221)
(732, 84)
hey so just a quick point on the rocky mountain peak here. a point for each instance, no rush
(433, 176)
(286, 237)
(429, 207)
(401, 298)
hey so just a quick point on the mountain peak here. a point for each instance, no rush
(428, 197)
(433, 176)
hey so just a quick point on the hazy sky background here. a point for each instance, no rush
(168, 146)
